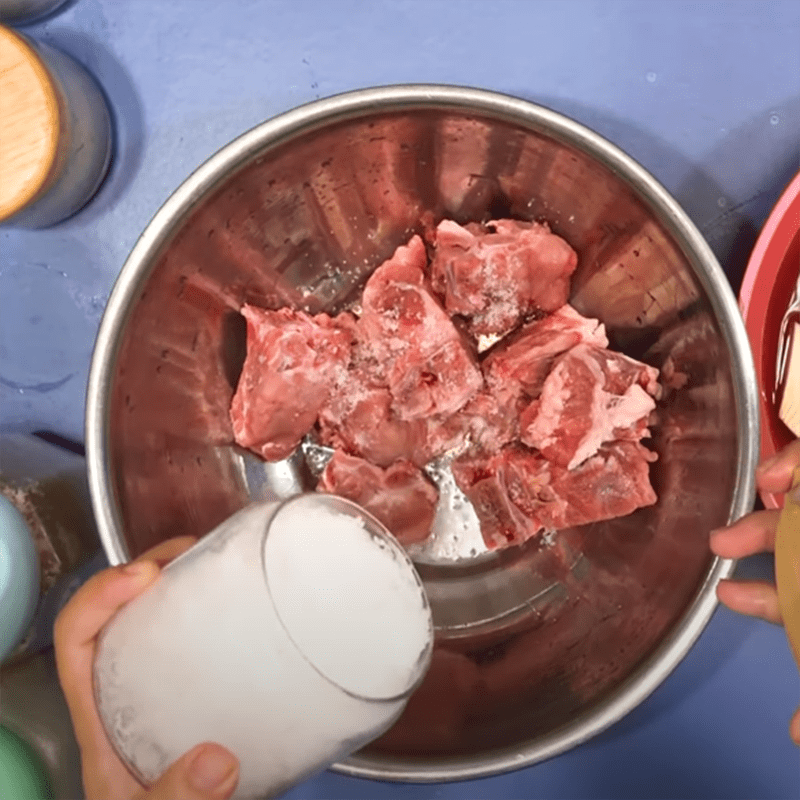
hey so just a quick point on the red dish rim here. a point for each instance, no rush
(768, 282)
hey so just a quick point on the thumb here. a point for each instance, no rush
(207, 772)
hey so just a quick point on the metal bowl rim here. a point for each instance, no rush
(492, 105)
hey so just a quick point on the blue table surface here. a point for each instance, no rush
(706, 95)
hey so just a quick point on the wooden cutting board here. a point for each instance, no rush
(787, 565)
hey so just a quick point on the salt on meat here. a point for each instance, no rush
(544, 430)
(427, 363)
(358, 419)
(517, 366)
(292, 362)
(591, 396)
(498, 273)
(518, 493)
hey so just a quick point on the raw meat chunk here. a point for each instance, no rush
(358, 418)
(517, 366)
(427, 365)
(292, 362)
(483, 423)
(518, 493)
(544, 431)
(612, 483)
(591, 396)
(484, 481)
(399, 496)
(398, 311)
(439, 382)
(498, 273)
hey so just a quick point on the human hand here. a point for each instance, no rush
(207, 772)
(753, 534)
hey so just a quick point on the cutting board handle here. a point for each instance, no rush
(787, 564)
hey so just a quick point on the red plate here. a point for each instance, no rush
(766, 289)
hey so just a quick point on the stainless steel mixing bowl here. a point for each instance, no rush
(532, 657)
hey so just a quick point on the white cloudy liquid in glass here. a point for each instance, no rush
(292, 649)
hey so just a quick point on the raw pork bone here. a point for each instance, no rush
(518, 493)
(292, 362)
(425, 362)
(498, 273)
(399, 496)
(591, 396)
(516, 367)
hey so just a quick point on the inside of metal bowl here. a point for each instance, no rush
(528, 640)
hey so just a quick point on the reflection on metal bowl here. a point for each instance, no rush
(538, 647)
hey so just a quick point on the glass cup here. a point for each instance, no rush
(292, 634)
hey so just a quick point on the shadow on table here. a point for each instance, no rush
(45, 18)
(50, 306)
(762, 156)
(690, 766)
(127, 112)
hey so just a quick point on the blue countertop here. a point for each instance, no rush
(704, 95)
